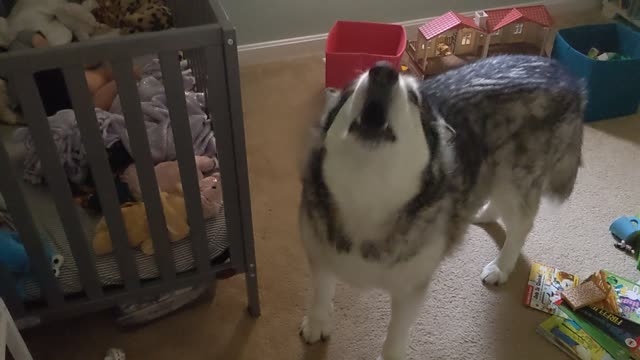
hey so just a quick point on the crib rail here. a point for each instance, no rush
(56, 178)
(24, 223)
(184, 150)
(94, 51)
(211, 50)
(99, 164)
(132, 111)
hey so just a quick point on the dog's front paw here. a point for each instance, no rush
(313, 330)
(492, 275)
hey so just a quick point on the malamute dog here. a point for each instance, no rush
(400, 168)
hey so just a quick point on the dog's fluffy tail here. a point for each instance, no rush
(564, 172)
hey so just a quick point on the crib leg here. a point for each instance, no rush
(251, 278)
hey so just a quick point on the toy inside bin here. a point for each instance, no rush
(613, 86)
(353, 47)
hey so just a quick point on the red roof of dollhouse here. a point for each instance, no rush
(500, 18)
(446, 22)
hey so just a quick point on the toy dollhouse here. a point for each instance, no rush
(454, 39)
(451, 34)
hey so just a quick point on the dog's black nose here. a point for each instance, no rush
(382, 79)
(383, 74)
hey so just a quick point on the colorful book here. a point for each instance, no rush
(567, 335)
(545, 285)
(627, 294)
(618, 336)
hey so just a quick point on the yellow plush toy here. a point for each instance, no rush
(135, 221)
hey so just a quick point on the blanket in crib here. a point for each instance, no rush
(112, 125)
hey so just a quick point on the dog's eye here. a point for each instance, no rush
(413, 97)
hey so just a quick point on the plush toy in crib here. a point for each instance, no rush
(135, 221)
(168, 177)
(13, 256)
(59, 21)
(132, 16)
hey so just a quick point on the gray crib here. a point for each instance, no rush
(207, 40)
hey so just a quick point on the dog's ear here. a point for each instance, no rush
(412, 86)
(334, 103)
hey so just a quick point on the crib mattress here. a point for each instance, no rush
(45, 214)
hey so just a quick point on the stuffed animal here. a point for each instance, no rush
(12, 253)
(168, 177)
(135, 220)
(13, 256)
(210, 195)
(59, 21)
(133, 16)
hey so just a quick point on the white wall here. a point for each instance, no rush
(266, 20)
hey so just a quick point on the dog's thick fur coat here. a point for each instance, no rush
(399, 169)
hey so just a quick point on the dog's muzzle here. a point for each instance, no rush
(381, 81)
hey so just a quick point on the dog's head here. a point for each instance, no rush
(377, 107)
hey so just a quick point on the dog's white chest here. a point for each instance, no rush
(370, 184)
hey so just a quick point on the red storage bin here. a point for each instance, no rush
(354, 47)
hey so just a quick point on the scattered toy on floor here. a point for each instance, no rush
(597, 320)
(626, 230)
(115, 354)
(594, 290)
(567, 335)
(610, 302)
(545, 285)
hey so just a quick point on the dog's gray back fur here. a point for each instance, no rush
(515, 120)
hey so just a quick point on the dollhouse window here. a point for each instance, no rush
(518, 29)
(422, 47)
(497, 32)
(466, 39)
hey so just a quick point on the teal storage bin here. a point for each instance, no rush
(614, 86)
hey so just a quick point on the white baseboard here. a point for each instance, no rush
(287, 49)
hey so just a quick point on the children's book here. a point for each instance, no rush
(627, 294)
(618, 336)
(544, 287)
(567, 335)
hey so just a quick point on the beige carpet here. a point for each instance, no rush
(461, 319)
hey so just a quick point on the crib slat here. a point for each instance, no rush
(9, 295)
(58, 183)
(99, 163)
(136, 128)
(183, 139)
(219, 107)
(15, 201)
(242, 170)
